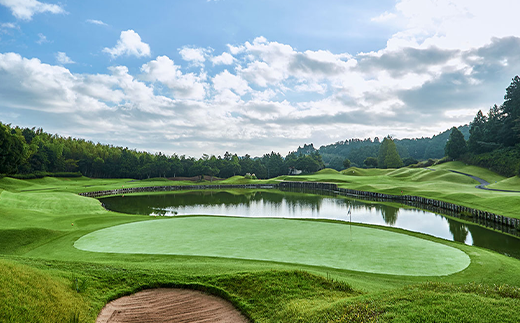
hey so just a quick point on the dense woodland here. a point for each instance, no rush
(492, 140)
(33, 152)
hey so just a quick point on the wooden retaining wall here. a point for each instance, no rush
(489, 219)
(168, 188)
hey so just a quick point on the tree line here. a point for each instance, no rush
(33, 151)
(494, 138)
(410, 150)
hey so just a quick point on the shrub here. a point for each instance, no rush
(443, 160)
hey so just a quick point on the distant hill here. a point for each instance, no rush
(357, 150)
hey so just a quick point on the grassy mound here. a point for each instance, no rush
(483, 173)
(512, 184)
(327, 171)
(30, 295)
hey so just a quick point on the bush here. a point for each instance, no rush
(425, 163)
(443, 160)
(410, 161)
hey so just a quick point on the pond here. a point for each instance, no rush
(282, 204)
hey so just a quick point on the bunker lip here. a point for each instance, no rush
(170, 305)
(313, 243)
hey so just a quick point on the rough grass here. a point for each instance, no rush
(31, 295)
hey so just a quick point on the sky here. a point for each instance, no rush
(193, 77)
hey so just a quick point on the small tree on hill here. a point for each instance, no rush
(346, 163)
(388, 156)
(370, 162)
(456, 145)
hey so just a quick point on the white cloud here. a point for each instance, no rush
(227, 81)
(42, 39)
(197, 56)
(128, 44)
(30, 84)
(63, 59)
(385, 16)
(8, 25)
(25, 9)
(184, 86)
(96, 22)
(461, 24)
(223, 59)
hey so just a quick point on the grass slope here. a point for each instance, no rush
(31, 295)
(37, 215)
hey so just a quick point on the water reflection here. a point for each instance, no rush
(458, 230)
(274, 203)
(389, 214)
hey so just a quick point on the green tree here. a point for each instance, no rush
(336, 163)
(510, 112)
(370, 162)
(11, 150)
(346, 163)
(456, 145)
(476, 134)
(388, 156)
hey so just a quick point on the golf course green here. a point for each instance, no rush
(312, 243)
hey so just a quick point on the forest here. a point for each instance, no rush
(492, 140)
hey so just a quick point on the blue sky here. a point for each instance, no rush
(194, 77)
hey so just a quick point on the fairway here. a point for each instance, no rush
(333, 245)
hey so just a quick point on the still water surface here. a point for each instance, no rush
(273, 203)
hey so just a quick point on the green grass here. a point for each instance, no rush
(333, 245)
(31, 295)
(38, 259)
(483, 173)
(512, 184)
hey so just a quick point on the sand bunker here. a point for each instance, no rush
(170, 305)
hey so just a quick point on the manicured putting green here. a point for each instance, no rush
(292, 241)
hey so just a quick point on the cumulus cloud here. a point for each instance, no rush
(183, 86)
(26, 9)
(129, 44)
(63, 59)
(449, 24)
(223, 59)
(385, 16)
(272, 95)
(226, 80)
(196, 56)
(31, 84)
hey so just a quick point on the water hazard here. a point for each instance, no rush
(280, 204)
